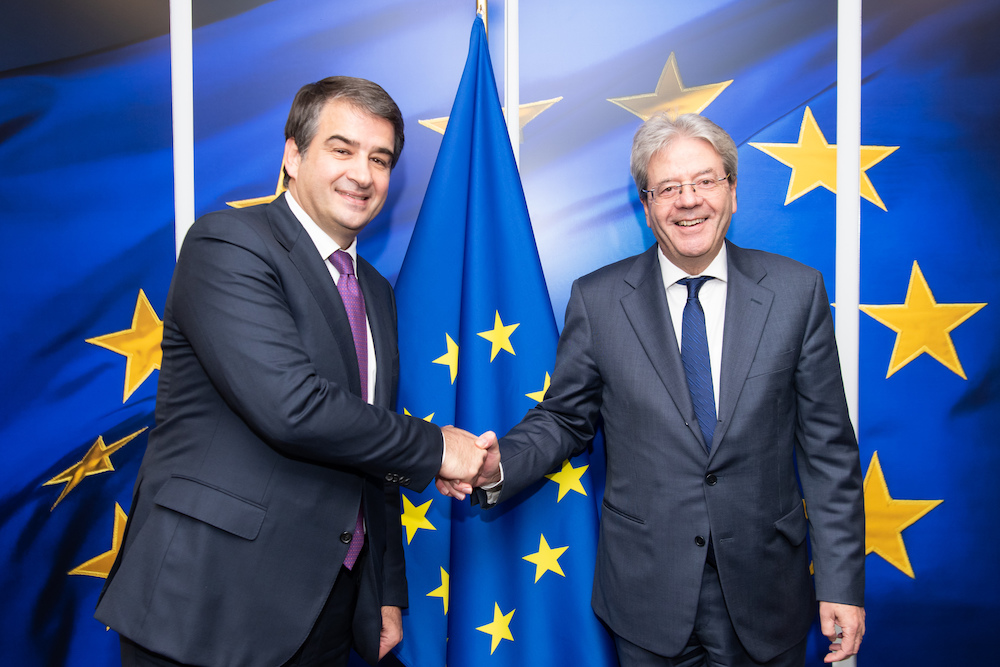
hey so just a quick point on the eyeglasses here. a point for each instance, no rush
(667, 192)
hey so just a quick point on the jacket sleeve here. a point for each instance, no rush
(828, 461)
(564, 423)
(232, 305)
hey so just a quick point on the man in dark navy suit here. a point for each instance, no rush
(265, 522)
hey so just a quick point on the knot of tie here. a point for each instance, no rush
(341, 261)
(694, 285)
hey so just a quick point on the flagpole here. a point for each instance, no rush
(848, 255)
(182, 105)
(483, 10)
(512, 77)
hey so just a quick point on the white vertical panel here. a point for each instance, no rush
(182, 94)
(512, 78)
(848, 262)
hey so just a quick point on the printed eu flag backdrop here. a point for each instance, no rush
(86, 211)
(87, 223)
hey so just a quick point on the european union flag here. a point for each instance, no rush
(477, 340)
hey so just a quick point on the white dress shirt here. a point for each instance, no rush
(326, 247)
(713, 301)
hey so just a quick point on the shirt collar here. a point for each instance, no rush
(718, 269)
(324, 244)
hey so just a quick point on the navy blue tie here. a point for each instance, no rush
(694, 355)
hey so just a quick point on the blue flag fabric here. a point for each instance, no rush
(477, 340)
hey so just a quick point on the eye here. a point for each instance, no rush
(668, 190)
(706, 182)
(380, 161)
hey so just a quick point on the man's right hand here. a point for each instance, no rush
(488, 473)
(463, 460)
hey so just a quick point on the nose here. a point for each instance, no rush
(688, 196)
(360, 171)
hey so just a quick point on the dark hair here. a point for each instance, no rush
(366, 96)
(661, 130)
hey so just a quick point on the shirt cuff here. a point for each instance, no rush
(493, 490)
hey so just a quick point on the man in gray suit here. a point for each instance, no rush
(265, 521)
(703, 557)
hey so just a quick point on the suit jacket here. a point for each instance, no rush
(783, 435)
(262, 453)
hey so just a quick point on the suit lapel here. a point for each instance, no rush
(379, 308)
(647, 311)
(302, 252)
(747, 307)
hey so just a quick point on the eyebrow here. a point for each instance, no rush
(707, 170)
(355, 144)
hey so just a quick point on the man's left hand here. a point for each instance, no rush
(392, 630)
(851, 620)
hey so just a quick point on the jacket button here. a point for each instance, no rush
(700, 541)
(711, 479)
(346, 537)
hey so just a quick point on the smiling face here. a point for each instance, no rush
(691, 228)
(341, 180)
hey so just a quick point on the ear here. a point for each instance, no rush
(292, 158)
(734, 196)
(644, 198)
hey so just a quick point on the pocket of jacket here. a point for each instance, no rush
(793, 525)
(773, 363)
(213, 506)
(614, 510)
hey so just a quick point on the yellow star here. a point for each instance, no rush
(671, 96)
(426, 419)
(539, 396)
(140, 345)
(499, 335)
(546, 559)
(95, 461)
(525, 114)
(450, 358)
(415, 518)
(886, 518)
(814, 162)
(568, 479)
(499, 628)
(923, 325)
(437, 124)
(442, 590)
(243, 203)
(100, 566)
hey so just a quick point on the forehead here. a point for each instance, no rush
(682, 158)
(343, 119)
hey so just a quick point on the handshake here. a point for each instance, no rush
(468, 462)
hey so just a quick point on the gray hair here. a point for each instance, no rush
(367, 96)
(660, 131)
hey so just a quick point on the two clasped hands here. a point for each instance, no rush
(469, 462)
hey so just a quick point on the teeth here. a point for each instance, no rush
(690, 223)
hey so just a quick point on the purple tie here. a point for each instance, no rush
(354, 303)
